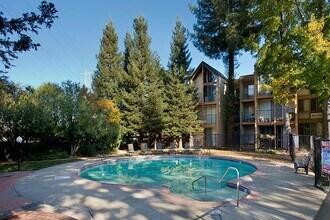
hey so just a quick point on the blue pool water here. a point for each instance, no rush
(177, 173)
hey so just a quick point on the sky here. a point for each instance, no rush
(69, 48)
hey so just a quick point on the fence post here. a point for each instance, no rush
(291, 147)
(317, 159)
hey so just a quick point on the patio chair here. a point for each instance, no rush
(197, 149)
(187, 149)
(172, 148)
(159, 148)
(145, 149)
(302, 163)
(101, 157)
(130, 149)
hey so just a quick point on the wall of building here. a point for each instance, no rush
(198, 83)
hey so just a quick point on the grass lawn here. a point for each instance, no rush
(32, 165)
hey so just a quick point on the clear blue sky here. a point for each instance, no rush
(70, 46)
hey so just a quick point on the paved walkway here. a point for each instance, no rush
(13, 205)
(9, 198)
(278, 193)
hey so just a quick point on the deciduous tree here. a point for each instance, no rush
(295, 50)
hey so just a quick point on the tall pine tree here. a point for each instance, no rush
(181, 114)
(143, 97)
(180, 59)
(107, 79)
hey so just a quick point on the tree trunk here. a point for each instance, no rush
(230, 97)
(74, 148)
(180, 143)
(288, 131)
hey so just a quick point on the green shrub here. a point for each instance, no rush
(52, 154)
(88, 151)
(267, 151)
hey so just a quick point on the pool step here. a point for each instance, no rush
(220, 195)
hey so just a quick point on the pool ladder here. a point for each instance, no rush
(219, 182)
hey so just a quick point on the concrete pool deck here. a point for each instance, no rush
(278, 193)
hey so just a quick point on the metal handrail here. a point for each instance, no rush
(192, 184)
(237, 183)
(219, 182)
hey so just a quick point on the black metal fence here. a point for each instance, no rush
(262, 141)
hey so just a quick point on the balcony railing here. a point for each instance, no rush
(264, 92)
(210, 140)
(209, 98)
(248, 94)
(265, 115)
(210, 118)
(280, 115)
(248, 117)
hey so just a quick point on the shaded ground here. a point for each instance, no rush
(278, 193)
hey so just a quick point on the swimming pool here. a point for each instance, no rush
(177, 173)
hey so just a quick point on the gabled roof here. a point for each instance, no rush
(210, 68)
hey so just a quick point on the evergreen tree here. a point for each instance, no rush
(141, 115)
(180, 115)
(154, 110)
(180, 59)
(128, 41)
(108, 76)
(221, 32)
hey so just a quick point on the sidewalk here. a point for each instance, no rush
(9, 198)
(56, 193)
(277, 193)
(12, 203)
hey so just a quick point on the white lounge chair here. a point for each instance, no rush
(197, 149)
(172, 148)
(130, 149)
(145, 149)
(159, 148)
(187, 149)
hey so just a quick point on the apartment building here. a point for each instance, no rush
(259, 120)
(210, 86)
(262, 119)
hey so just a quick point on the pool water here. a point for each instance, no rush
(177, 173)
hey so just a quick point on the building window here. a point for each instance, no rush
(304, 128)
(303, 105)
(209, 76)
(300, 105)
(315, 107)
(249, 91)
(307, 129)
(209, 93)
(266, 130)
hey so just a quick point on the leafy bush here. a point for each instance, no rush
(88, 151)
(52, 154)
(267, 151)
